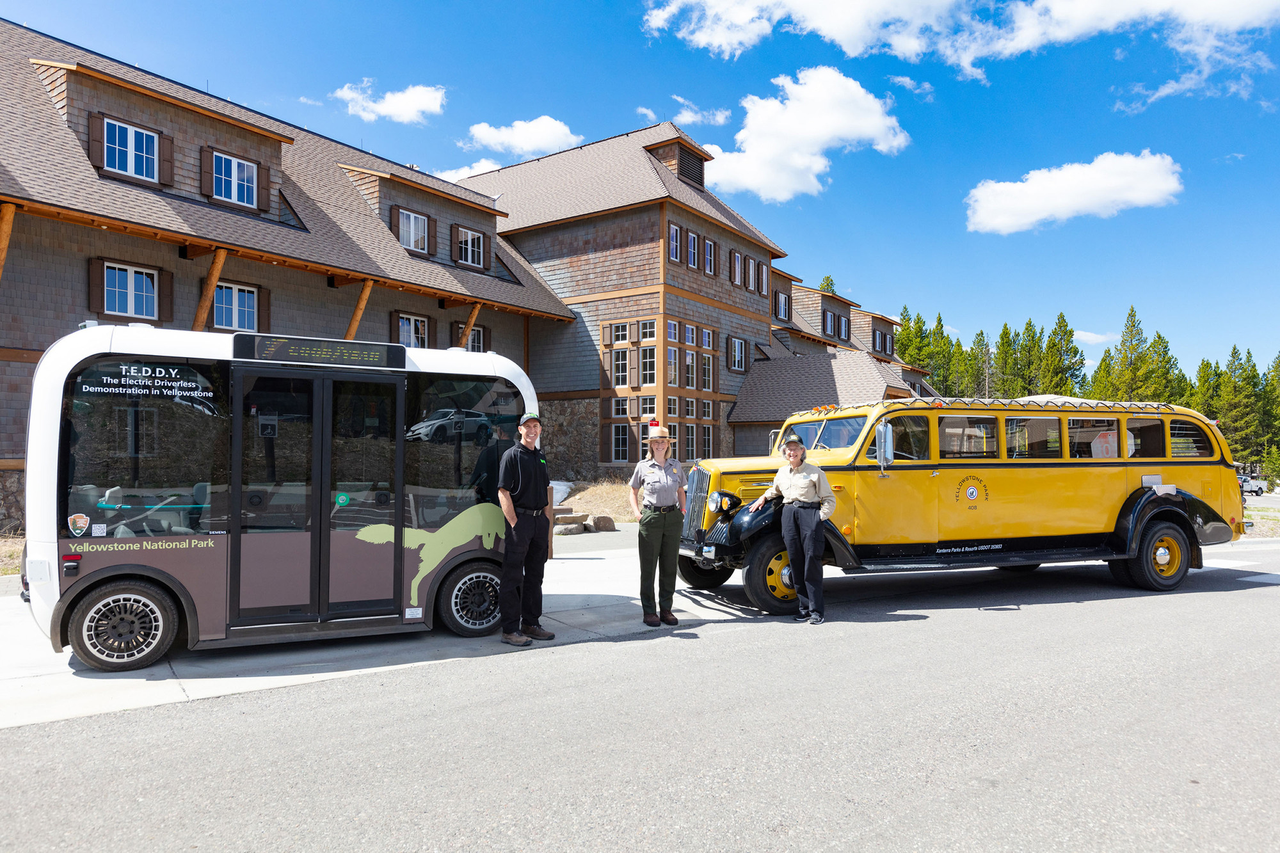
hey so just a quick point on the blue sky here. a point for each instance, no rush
(1013, 90)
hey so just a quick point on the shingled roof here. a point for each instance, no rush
(613, 173)
(775, 389)
(43, 167)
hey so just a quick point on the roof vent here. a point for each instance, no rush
(413, 166)
(690, 166)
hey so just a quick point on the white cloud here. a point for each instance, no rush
(924, 90)
(408, 106)
(1108, 185)
(647, 113)
(1095, 339)
(302, 99)
(690, 114)
(1209, 35)
(480, 166)
(781, 149)
(542, 135)
(1090, 363)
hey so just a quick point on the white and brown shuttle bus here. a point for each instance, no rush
(224, 490)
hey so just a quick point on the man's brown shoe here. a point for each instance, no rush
(537, 632)
(515, 638)
(652, 620)
(669, 618)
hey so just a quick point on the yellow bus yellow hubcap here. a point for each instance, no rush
(1166, 556)
(773, 578)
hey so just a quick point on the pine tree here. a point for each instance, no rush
(1271, 405)
(1102, 385)
(1004, 379)
(940, 358)
(980, 365)
(961, 370)
(1204, 394)
(905, 343)
(1164, 382)
(1238, 407)
(1030, 352)
(1062, 366)
(828, 285)
(1130, 368)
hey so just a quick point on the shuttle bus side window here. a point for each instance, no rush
(1187, 439)
(967, 437)
(1033, 438)
(910, 438)
(1093, 438)
(1145, 438)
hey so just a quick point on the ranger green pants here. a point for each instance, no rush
(659, 549)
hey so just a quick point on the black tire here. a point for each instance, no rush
(1026, 567)
(699, 578)
(123, 625)
(1120, 572)
(762, 577)
(1163, 560)
(438, 435)
(467, 602)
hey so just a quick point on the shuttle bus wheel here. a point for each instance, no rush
(1163, 558)
(766, 577)
(123, 625)
(700, 578)
(468, 599)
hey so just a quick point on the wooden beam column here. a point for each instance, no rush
(359, 312)
(471, 321)
(210, 287)
(6, 229)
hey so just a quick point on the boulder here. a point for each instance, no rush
(603, 522)
(571, 519)
(568, 529)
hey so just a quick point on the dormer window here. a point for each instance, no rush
(413, 231)
(129, 150)
(235, 180)
(844, 328)
(470, 247)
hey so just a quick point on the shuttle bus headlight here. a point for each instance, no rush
(722, 501)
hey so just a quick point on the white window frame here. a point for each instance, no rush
(690, 432)
(619, 407)
(692, 251)
(829, 323)
(739, 359)
(673, 407)
(736, 273)
(673, 366)
(764, 279)
(620, 362)
(132, 292)
(843, 325)
(707, 449)
(784, 305)
(889, 337)
(648, 407)
(690, 408)
(690, 336)
(710, 262)
(238, 293)
(470, 247)
(707, 371)
(475, 341)
(673, 331)
(131, 152)
(706, 339)
(673, 242)
(878, 341)
(751, 274)
(415, 324)
(648, 365)
(240, 172)
(648, 330)
(413, 227)
(690, 370)
(621, 442)
(706, 410)
(618, 333)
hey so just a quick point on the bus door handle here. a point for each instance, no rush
(934, 474)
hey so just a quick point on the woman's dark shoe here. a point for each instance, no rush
(801, 617)
(669, 618)
(652, 620)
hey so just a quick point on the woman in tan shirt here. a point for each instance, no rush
(807, 501)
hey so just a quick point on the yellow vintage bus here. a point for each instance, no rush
(933, 483)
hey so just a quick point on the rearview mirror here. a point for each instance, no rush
(884, 444)
(773, 439)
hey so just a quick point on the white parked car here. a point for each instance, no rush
(1250, 486)
(443, 424)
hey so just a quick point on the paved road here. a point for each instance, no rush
(975, 711)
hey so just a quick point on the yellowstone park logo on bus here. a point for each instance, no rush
(78, 523)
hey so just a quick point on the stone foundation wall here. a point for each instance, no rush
(13, 519)
(571, 438)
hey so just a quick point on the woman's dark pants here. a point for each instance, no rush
(659, 549)
(802, 532)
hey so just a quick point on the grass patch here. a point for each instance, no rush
(11, 554)
(604, 497)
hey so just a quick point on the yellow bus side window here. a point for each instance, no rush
(1145, 438)
(968, 437)
(1093, 438)
(1187, 439)
(1033, 438)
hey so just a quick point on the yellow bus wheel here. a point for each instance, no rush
(766, 577)
(1164, 558)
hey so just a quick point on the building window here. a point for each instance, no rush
(706, 372)
(475, 341)
(879, 341)
(673, 242)
(706, 442)
(751, 274)
(413, 331)
(673, 330)
(235, 180)
(648, 366)
(648, 407)
(619, 333)
(691, 335)
(707, 343)
(690, 408)
(235, 307)
(621, 442)
(736, 269)
(129, 150)
(619, 407)
(738, 354)
(890, 339)
(844, 328)
(690, 381)
(470, 247)
(130, 292)
(784, 306)
(413, 231)
(689, 450)
(828, 323)
(692, 254)
(710, 258)
(673, 407)
(673, 366)
(764, 280)
(706, 410)
(648, 330)
(620, 368)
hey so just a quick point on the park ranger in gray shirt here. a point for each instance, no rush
(657, 499)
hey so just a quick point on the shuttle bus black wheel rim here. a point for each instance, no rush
(468, 601)
(123, 625)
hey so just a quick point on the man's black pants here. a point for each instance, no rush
(520, 592)
(802, 533)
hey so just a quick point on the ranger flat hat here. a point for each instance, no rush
(659, 432)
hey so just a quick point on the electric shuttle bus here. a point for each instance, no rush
(224, 490)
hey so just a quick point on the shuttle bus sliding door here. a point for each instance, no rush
(316, 525)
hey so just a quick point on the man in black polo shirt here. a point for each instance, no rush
(524, 492)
